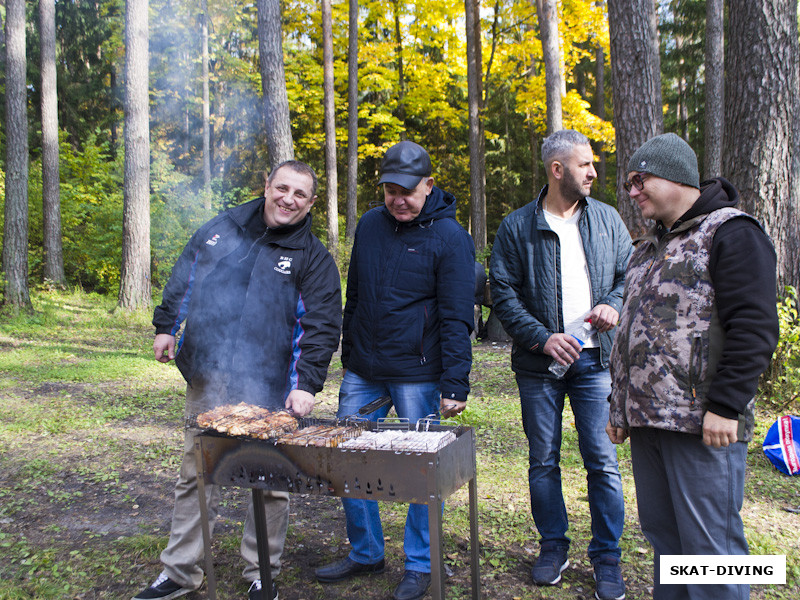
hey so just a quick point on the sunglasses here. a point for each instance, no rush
(636, 181)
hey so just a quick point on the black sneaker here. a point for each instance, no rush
(548, 567)
(608, 578)
(256, 593)
(163, 588)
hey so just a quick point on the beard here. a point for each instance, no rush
(571, 188)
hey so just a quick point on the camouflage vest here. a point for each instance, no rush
(669, 338)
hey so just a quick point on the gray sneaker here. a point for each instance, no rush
(548, 567)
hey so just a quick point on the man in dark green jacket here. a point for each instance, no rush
(557, 274)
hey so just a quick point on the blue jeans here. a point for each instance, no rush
(689, 498)
(588, 385)
(412, 401)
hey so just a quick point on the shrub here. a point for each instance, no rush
(780, 384)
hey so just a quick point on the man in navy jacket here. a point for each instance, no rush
(259, 299)
(407, 320)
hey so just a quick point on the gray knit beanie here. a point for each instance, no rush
(667, 156)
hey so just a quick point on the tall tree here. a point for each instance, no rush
(547, 12)
(331, 176)
(762, 110)
(352, 121)
(134, 289)
(15, 230)
(51, 199)
(477, 161)
(273, 83)
(715, 87)
(636, 86)
(206, 103)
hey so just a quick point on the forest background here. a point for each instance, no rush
(209, 143)
(478, 84)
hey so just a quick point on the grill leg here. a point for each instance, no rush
(473, 541)
(262, 541)
(437, 567)
(211, 578)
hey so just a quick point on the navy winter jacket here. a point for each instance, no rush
(285, 325)
(525, 276)
(409, 309)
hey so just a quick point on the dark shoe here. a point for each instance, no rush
(256, 593)
(345, 569)
(548, 567)
(163, 588)
(608, 578)
(412, 586)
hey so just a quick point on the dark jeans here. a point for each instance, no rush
(689, 498)
(588, 385)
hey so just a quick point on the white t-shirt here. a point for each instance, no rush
(576, 289)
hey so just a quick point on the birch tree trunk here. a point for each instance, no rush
(636, 85)
(15, 229)
(331, 174)
(273, 83)
(134, 290)
(762, 150)
(51, 199)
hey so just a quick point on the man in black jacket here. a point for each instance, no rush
(405, 334)
(260, 300)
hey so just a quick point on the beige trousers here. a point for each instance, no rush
(183, 556)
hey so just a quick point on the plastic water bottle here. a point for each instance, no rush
(584, 332)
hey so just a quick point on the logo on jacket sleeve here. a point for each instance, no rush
(213, 241)
(284, 265)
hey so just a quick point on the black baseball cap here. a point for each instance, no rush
(405, 164)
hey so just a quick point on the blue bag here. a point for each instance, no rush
(782, 445)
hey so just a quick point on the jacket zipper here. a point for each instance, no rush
(695, 359)
(422, 359)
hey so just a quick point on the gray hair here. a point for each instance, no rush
(298, 167)
(557, 145)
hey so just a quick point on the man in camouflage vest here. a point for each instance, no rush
(698, 327)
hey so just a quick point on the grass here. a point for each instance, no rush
(90, 442)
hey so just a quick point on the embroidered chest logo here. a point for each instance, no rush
(284, 265)
(213, 241)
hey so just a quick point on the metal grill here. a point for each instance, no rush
(372, 474)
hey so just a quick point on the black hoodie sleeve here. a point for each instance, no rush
(742, 266)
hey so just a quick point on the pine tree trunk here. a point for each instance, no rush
(636, 85)
(762, 150)
(206, 107)
(715, 88)
(134, 291)
(547, 12)
(401, 77)
(51, 200)
(352, 122)
(273, 83)
(600, 111)
(331, 174)
(477, 160)
(15, 230)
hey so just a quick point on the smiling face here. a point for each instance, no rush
(661, 199)
(405, 205)
(289, 197)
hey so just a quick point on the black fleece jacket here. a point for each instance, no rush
(742, 266)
